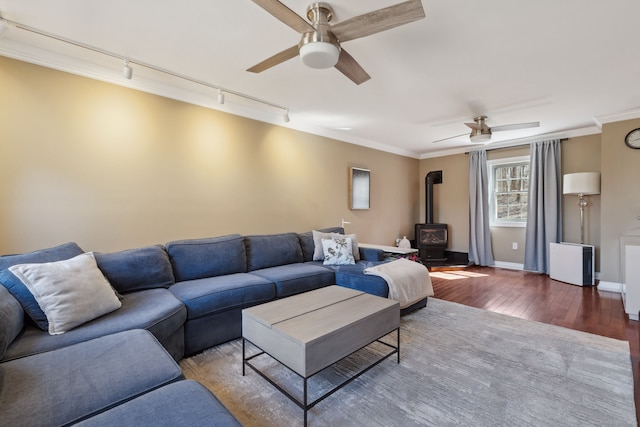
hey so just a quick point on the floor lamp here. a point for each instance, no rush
(581, 184)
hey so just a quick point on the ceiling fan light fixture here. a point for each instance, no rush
(478, 136)
(319, 55)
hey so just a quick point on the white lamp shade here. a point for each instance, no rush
(584, 183)
(319, 54)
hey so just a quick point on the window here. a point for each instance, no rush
(508, 191)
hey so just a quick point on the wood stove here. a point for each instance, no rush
(431, 238)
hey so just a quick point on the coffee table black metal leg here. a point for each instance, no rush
(398, 332)
(243, 356)
(305, 402)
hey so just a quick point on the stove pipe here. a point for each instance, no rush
(433, 177)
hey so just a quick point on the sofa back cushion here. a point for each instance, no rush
(137, 269)
(11, 319)
(19, 291)
(272, 250)
(307, 244)
(199, 258)
(57, 253)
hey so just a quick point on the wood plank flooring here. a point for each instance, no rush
(539, 298)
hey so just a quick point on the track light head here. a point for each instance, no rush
(220, 97)
(285, 116)
(127, 71)
(4, 26)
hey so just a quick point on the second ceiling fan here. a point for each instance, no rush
(320, 46)
(481, 132)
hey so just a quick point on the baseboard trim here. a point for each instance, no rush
(508, 265)
(610, 286)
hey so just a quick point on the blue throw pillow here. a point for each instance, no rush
(19, 290)
(11, 319)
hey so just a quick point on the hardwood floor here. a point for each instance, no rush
(539, 298)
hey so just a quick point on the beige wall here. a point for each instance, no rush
(113, 168)
(620, 195)
(581, 154)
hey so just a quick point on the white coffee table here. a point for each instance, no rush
(311, 331)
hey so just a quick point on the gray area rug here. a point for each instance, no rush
(459, 366)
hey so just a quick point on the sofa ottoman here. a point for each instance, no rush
(72, 383)
(183, 403)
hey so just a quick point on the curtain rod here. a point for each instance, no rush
(514, 146)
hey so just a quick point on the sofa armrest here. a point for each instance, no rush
(371, 254)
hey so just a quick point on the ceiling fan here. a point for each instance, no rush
(320, 44)
(481, 132)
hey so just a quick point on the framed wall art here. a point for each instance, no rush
(359, 194)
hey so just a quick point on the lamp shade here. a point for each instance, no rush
(584, 183)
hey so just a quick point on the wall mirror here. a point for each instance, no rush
(359, 180)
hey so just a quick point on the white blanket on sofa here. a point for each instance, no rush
(408, 281)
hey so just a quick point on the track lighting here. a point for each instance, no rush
(127, 71)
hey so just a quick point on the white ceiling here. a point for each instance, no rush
(569, 64)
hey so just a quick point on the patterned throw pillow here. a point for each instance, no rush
(337, 251)
(355, 251)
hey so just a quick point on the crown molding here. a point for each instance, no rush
(617, 117)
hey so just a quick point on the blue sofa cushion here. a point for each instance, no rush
(352, 276)
(137, 269)
(215, 256)
(182, 403)
(156, 310)
(293, 279)
(19, 291)
(307, 244)
(271, 250)
(211, 295)
(69, 384)
(11, 319)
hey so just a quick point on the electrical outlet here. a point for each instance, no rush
(514, 246)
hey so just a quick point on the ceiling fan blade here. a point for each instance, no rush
(378, 20)
(286, 15)
(474, 126)
(515, 126)
(350, 68)
(276, 59)
(451, 137)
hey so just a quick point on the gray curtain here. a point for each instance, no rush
(544, 215)
(479, 233)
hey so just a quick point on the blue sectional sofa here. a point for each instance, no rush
(177, 299)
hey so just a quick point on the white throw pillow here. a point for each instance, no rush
(337, 251)
(354, 243)
(70, 292)
(318, 252)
